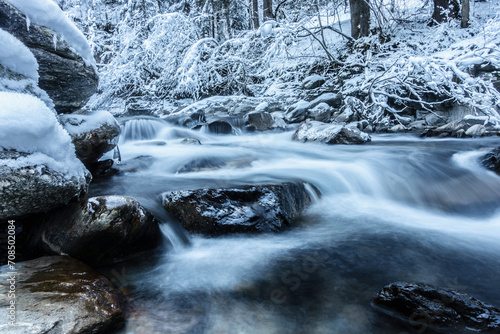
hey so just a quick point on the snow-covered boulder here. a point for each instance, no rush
(93, 134)
(263, 208)
(65, 65)
(259, 121)
(313, 131)
(321, 113)
(492, 160)
(297, 112)
(38, 167)
(98, 230)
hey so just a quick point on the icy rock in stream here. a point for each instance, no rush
(93, 134)
(313, 131)
(58, 294)
(439, 308)
(263, 208)
(492, 160)
(98, 230)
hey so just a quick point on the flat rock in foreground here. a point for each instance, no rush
(424, 304)
(58, 294)
(263, 208)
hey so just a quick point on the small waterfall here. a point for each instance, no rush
(141, 128)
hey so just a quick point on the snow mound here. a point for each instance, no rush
(15, 56)
(77, 124)
(48, 14)
(28, 125)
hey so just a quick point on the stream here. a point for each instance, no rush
(400, 208)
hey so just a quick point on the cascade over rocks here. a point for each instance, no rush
(63, 73)
(98, 230)
(438, 308)
(58, 294)
(263, 208)
(313, 131)
(35, 188)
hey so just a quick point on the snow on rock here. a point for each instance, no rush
(313, 81)
(313, 131)
(93, 134)
(28, 125)
(48, 14)
(15, 56)
(38, 166)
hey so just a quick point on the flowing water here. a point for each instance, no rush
(400, 208)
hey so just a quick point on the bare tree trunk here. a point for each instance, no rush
(360, 18)
(445, 9)
(255, 13)
(267, 9)
(465, 13)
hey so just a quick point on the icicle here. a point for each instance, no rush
(54, 40)
(28, 23)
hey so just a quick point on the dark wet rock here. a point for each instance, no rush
(492, 160)
(263, 208)
(92, 134)
(313, 81)
(190, 141)
(36, 188)
(63, 73)
(260, 121)
(98, 230)
(312, 131)
(58, 294)
(220, 127)
(440, 308)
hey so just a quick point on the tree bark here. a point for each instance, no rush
(445, 9)
(267, 10)
(465, 13)
(255, 13)
(360, 18)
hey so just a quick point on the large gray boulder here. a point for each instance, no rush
(492, 160)
(313, 131)
(58, 294)
(264, 208)
(98, 230)
(63, 74)
(442, 309)
(35, 187)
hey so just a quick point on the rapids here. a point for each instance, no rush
(400, 208)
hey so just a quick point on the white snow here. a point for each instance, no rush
(76, 124)
(28, 125)
(15, 56)
(48, 14)
(113, 202)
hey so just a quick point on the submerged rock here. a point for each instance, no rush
(492, 160)
(436, 307)
(98, 230)
(313, 131)
(63, 74)
(58, 294)
(28, 186)
(262, 208)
